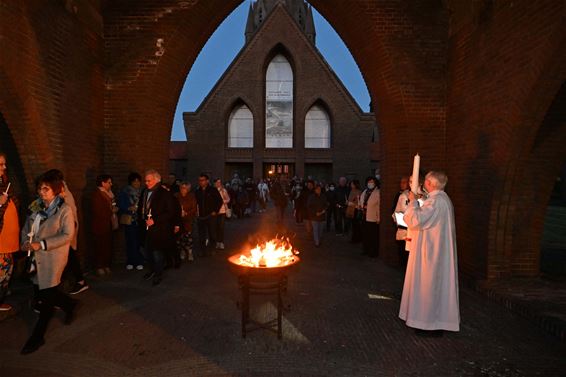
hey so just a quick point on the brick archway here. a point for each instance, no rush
(162, 41)
(93, 86)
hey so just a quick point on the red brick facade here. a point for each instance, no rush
(314, 84)
(473, 86)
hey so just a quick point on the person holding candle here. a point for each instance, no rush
(430, 293)
(9, 232)
(47, 235)
(159, 215)
(317, 205)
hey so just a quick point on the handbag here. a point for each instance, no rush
(125, 219)
(350, 211)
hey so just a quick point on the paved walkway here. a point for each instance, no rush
(190, 325)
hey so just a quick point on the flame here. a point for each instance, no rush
(275, 253)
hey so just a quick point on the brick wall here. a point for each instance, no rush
(506, 64)
(52, 88)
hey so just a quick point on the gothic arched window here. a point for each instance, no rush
(279, 104)
(241, 128)
(317, 128)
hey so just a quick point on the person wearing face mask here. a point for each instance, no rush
(369, 205)
(331, 211)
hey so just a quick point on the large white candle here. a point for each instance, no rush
(416, 168)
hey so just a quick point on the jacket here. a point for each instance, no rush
(166, 214)
(317, 203)
(57, 232)
(208, 201)
(101, 217)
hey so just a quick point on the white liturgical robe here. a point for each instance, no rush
(430, 292)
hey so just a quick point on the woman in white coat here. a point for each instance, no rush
(47, 234)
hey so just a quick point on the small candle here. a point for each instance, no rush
(416, 168)
(149, 218)
(7, 188)
(30, 235)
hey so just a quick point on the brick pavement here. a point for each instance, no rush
(190, 325)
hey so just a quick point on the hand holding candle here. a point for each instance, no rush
(30, 235)
(148, 219)
(415, 176)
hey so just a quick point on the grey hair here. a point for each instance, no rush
(439, 178)
(155, 174)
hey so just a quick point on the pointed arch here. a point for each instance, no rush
(240, 126)
(318, 126)
(279, 101)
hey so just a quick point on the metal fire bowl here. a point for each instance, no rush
(239, 269)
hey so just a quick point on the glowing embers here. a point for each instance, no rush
(272, 254)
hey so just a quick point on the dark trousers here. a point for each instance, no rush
(73, 266)
(206, 230)
(155, 260)
(49, 298)
(133, 254)
(340, 222)
(219, 231)
(370, 238)
(331, 216)
(356, 228)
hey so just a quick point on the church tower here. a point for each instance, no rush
(299, 10)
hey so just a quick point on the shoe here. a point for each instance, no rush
(78, 288)
(70, 314)
(101, 272)
(5, 307)
(221, 245)
(139, 267)
(149, 275)
(339, 234)
(107, 270)
(129, 267)
(156, 281)
(32, 345)
(217, 245)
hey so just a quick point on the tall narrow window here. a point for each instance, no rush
(279, 104)
(317, 128)
(241, 128)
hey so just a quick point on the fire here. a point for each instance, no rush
(275, 253)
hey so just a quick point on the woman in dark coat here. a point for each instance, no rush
(316, 208)
(102, 223)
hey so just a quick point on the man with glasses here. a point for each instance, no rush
(209, 202)
(158, 214)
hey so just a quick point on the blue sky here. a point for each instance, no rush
(226, 42)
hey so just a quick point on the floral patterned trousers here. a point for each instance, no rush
(6, 268)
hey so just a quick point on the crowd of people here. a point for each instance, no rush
(158, 220)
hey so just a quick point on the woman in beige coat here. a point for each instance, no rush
(47, 234)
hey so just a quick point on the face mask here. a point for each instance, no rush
(371, 185)
(331, 188)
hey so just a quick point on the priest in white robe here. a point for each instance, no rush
(430, 292)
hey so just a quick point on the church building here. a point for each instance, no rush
(279, 109)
